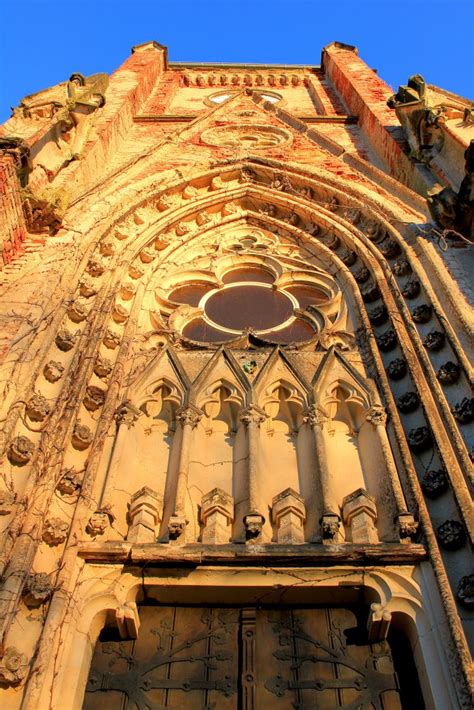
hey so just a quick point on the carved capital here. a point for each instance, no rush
(189, 416)
(126, 414)
(13, 666)
(144, 515)
(376, 415)
(252, 415)
(315, 416)
(378, 622)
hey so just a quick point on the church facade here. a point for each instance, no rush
(236, 390)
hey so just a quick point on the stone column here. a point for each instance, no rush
(331, 520)
(254, 521)
(217, 514)
(188, 417)
(125, 417)
(289, 514)
(144, 514)
(407, 526)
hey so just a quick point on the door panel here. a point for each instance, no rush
(251, 659)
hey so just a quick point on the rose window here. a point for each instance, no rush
(250, 300)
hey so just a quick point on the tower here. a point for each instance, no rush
(235, 389)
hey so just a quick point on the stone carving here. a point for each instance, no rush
(352, 215)
(434, 340)
(449, 373)
(217, 515)
(419, 439)
(126, 414)
(99, 522)
(362, 275)
(291, 218)
(373, 231)
(253, 524)
(203, 218)
(411, 289)
(465, 591)
(247, 175)
(422, 314)
(111, 340)
(387, 341)
(37, 589)
(147, 255)
(249, 366)
(370, 293)
(44, 212)
(282, 183)
(7, 501)
(189, 415)
(349, 257)
(136, 271)
(176, 526)
(107, 248)
(13, 666)
(434, 483)
(182, 228)
(421, 123)
(396, 369)
(87, 288)
(103, 366)
(401, 267)
(252, 415)
(37, 408)
(247, 137)
(119, 313)
(55, 531)
(315, 416)
(289, 515)
(94, 398)
(378, 623)
(269, 210)
(65, 340)
(330, 525)
(20, 450)
(81, 437)
(359, 512)
(331, 240)
(451, 535)
(376, 415)
(407, 526)
(378, 315)
(389, 248)
(456, 211)
(408, 402)
(331, 204)
(69, 483)
(95, 267)
(464, 411)
(144, 515)
(53, 371)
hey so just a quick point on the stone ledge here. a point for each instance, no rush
(308, 554)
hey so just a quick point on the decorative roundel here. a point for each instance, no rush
(249, 301)
(247, 137)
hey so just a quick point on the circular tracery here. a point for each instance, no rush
(251, 306)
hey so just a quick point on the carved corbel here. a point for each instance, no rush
(128, 621)
(126, 414)
(253, 524)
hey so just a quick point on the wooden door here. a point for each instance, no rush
(243, 659)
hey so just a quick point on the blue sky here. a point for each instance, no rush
(43, 41)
